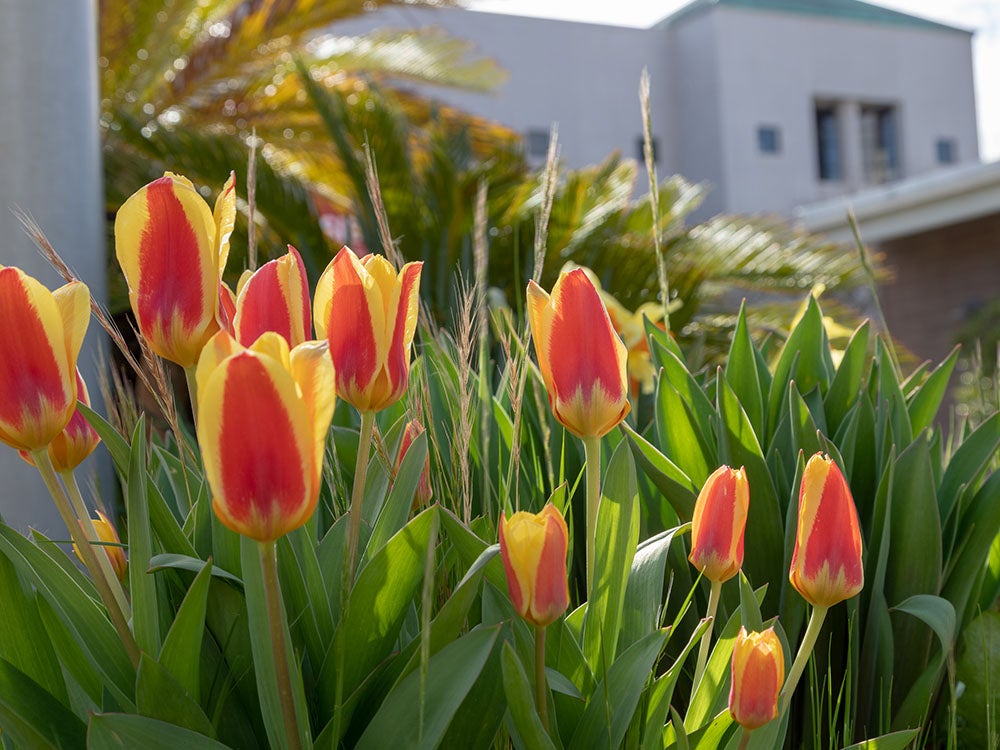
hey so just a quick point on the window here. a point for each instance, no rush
(879, 143)
(537, 141)
(769, 139)
(947, 153)
(828, 142)
(640, 149)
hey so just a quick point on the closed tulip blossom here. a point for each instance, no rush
(826, 563)
(107, 533)
(368, 312)
(424, 491)
(77, 440)
(172, 249)
(581, 358)
(40, 340)
(275, 297)
(533, 547)
(262, 424)
(758, 672)
(720, 517)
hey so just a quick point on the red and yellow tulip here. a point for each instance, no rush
(720, 517)
(826, 564)
(112, 545)
(582, 359)
(424, 492)
(40, 340)
(758, 672)
(263, 416)
(275, 297)
(533, 547)
(76, 441)
(172, 249)
(368, 313)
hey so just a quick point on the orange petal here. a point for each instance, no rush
(717, 529)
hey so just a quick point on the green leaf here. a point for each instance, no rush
(668, 478)
(644, 592)
(848, 380)
(181, 650)
(470, 547)
(977, 533)
(680, 435)
(416, 714)
(693, 394)
(893, 741)
(159, 695)
(617, 535)
(32, 717)
(967, 463)
(128, 731)
(521, 702)
(610, 709)
(396, 509)
(742, 375)
(145, 602)
(167, 561)
(936, 612)
(924, 404)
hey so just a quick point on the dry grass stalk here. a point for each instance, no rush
(654, 193)
(252, 202)
(480, 259)
(468, 325)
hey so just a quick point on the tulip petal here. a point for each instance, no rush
(275, 298)
(312, 370)
(354, 344)
(718, 525)
(37, 383)
(73, 301)
(404, 326)
(540, 318)
(220, 347)
(224, 217)
(78, 438)
(551, 594)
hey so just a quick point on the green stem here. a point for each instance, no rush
(358, 493)
(83, 516)
(744, 739)
(540, 685)
(592, 451)
(272, 594)
(192, 386)
(45, 468)
(802, 657)
(706, 639)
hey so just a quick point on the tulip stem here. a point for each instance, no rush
(541, 689)
(592, 452)
(83, 516)
(744, 739)
(802, 657)
(45, 468)
(706, 639)
(358, 493)
(192, 386)
(272, 595)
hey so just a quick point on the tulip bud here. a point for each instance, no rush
(274, 298)
(40, 338)
(758, 672)
(720, 517)
(826, 564)
(424, 492)
(533, 547)
(368, 312)
(582, 359)
(112, 545)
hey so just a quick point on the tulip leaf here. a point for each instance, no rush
(978, 534)
(617, 536)
(891, 396)
(803, 427)
(396, 509)
(300, 605)
(470, 547)
(77, 611)
(894, 741)
(166, 561)
(715, 734)
(142, 585)
(258, 619)
(417, 712)
(848, 379)
(127, 731)
(182, 646)
(742, 375)
(319, 597)
(925, 402)
(643, 602)
(661, 342)
(521, 702)
(968, 462)
(936, 612)
(159, 695)
(668, 478)
(679, 434)
(73, 660)
(610, 708)
(32, 717)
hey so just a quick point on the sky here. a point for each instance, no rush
(980, 16)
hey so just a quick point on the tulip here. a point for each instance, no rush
(582, 359)
(112, 545)
(720, 517)
(533, 547)
(40, 340)
(262, 423)
(172, 249)
(274, 298)
(76, 441)
(424, 492)
(758, 672)
(826, 563)
(368, 313)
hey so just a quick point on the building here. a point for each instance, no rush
(774, 103)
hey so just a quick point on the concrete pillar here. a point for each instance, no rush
(51, 168)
